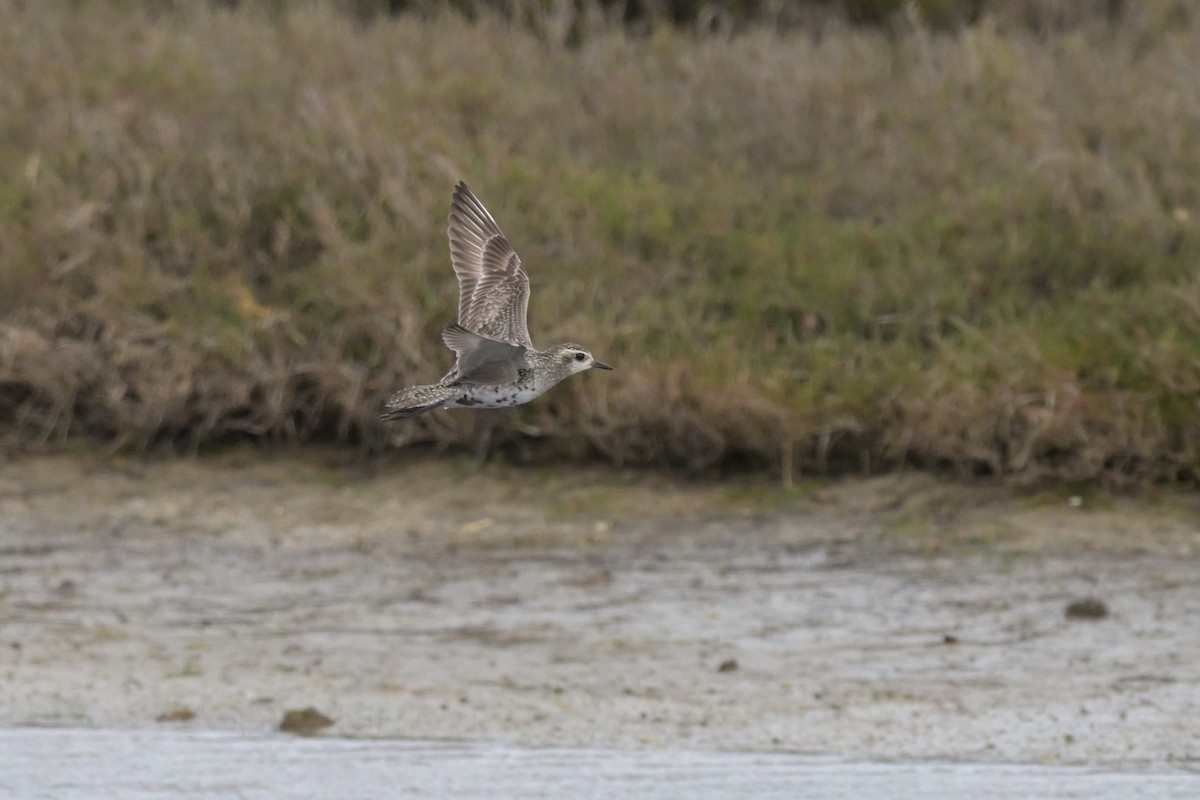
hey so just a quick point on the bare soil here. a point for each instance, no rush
(891, 618)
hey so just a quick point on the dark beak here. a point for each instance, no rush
(600, 364)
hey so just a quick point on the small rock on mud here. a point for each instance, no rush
(1086, 608)
(304, 721)
(177, 714)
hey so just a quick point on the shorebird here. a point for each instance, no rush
(496, 364)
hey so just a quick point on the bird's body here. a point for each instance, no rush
(497, 364)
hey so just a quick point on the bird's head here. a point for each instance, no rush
(576, 358)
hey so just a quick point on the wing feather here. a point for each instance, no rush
(493, 288)
(483, 360)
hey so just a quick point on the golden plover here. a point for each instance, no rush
(497, 364)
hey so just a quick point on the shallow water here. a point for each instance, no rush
(74, 764)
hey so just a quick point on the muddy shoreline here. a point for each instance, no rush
(883, 619)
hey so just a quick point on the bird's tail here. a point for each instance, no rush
(416, 400)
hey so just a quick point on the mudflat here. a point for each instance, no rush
(897, 617)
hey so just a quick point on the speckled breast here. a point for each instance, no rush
(513, 394)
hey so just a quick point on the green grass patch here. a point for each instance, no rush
(971, 250)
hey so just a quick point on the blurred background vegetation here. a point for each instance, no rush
(813, 236)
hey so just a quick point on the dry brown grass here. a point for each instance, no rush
(975, 250)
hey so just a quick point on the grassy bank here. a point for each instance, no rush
(975, 250)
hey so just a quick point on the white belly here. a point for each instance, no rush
(492, 397)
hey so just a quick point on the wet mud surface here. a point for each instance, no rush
(888, 619)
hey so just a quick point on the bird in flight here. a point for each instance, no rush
(496, 364)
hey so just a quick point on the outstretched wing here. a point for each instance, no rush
(493, 289)
(483, 360)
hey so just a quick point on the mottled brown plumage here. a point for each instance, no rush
(493, 289)
(496, 364)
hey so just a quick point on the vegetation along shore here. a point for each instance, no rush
(819, 246)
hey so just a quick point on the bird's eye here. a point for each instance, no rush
(580, 357)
